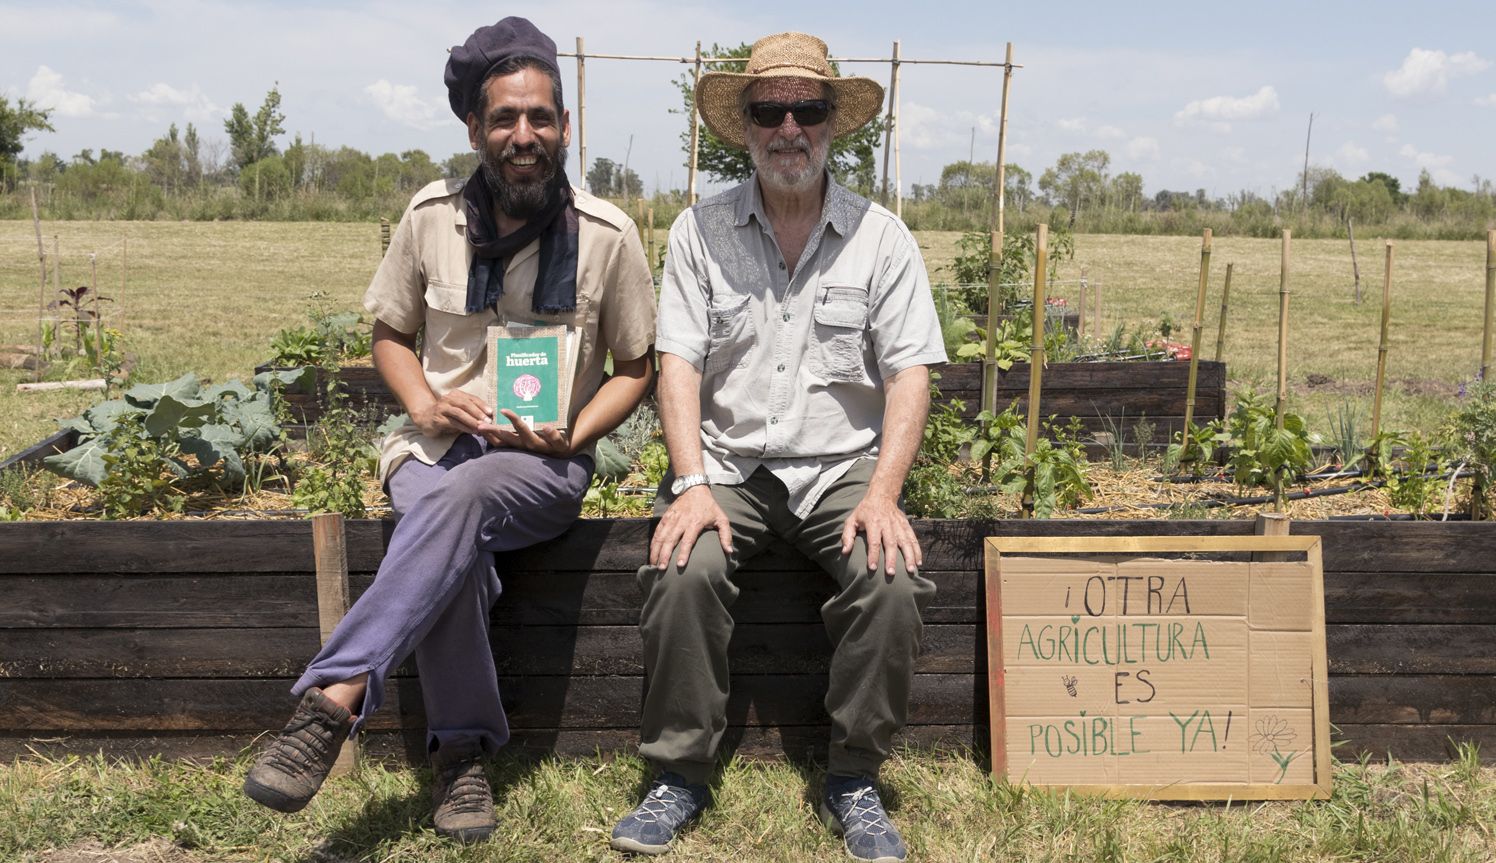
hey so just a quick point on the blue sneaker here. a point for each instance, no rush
(652, 826)
(852, 810)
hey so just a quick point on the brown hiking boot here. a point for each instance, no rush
(462, 804)
(291, 770)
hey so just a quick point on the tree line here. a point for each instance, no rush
(248, 175)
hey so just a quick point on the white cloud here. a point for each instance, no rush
(1487, 101)
(1072, 124)
(1143, 147)
(1351, 153)
(1385, 123)
(1110, 133)
(194, 103)
(48, 90)
(1429, 71)
(1217, 111)
(403, 104)
(1235, 155)
(1426, 160)
(1198, 169)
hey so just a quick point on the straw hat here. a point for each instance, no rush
(785, 55)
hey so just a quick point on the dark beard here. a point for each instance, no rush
(523, 200)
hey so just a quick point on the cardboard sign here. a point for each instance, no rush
(1114, 672)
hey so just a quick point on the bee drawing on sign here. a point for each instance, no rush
(1069, 681)
(1271, 735)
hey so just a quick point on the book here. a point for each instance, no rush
(529, 371)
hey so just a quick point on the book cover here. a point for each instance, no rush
(530, 372)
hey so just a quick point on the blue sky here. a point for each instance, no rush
(1211, 96)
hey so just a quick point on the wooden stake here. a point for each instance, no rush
(384, 236)
(124, 277)
(695, 133)
(41, 290)
(898, 170)
(1382, 347)
(995, 252)
(890, 118)
(1096, 318)
(1189, 393)
(582, 111)
(93, 283)
(1350, 226)
(330, 551)
(1036, 358)
(640, 222)
(50, 386)
(1485, 344)
(1271, 524)
(1221, 324)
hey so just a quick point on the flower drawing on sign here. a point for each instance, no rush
(1272, 734)
(527, 387)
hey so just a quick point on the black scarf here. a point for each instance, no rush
(556, 226)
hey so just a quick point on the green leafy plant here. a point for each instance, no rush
(343, 454)
(1416, 487)
(654, 461)
(1473, 430)
(1345, 426)
(196, 435)
(1195, 447)
(932, 489)
(1054, 474)
(24, 488)
(331, 337)
(1263, 454)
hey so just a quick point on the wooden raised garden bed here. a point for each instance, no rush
(182, 638)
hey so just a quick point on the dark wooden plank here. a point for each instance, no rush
(159, 601)
(1413, 649)
(1101, 376)
(155, 546)
(408, 746)
(796, 648)
(32, 456)
(1406, 546)
(1424, 699)
(1410, 597)
(1413, 742)
(52, 707)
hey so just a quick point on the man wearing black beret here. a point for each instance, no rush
(513, 244)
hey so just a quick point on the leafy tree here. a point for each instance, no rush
(15, 122)
(1394, 186)
(1077, 180)
(851, 158)
(166, 161)
(253, 139)
(1127, 191)
(460, 164)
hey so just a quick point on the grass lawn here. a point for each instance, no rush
(78, 810)
(208, 297)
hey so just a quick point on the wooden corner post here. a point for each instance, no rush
(330, 551)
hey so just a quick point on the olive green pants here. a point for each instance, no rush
(873, 621)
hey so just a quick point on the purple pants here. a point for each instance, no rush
(437, 582)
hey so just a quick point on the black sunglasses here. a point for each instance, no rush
(807, 112)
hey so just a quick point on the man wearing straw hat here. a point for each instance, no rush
(513, 243)
(796, 331)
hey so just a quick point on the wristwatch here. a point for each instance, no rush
(689, 481)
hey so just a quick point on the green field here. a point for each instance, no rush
(208, 297)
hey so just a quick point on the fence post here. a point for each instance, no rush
(330, 551)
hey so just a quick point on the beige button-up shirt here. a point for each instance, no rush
(421, 286)
(793, 365)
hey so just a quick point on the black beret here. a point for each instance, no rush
(471, 61)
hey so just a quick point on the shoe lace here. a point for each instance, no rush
(666, 804)
(862, 811)
(303, 744)
(467, 788)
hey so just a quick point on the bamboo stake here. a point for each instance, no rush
(1189, 393)
(1280, 406)
(1036, 359)
(898, 171)
(650, 218)
(1096, 317)
(1080, 325)
(41, 290)
(384, 236)
(889, 119)
(1382, 347)
(330, 551)
(639, 222)
(582, 111)
(93, 284)
(1350, 226)
(1221, 324)
(995, 253)
(1485, 344)
(695, 132)
(124, 278)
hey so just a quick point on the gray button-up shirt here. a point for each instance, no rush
(793, 364)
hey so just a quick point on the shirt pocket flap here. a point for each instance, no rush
(842, 306)
(446, 297)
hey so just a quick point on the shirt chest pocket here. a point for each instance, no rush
(452, 335)
(731, 335)
(841, 333)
